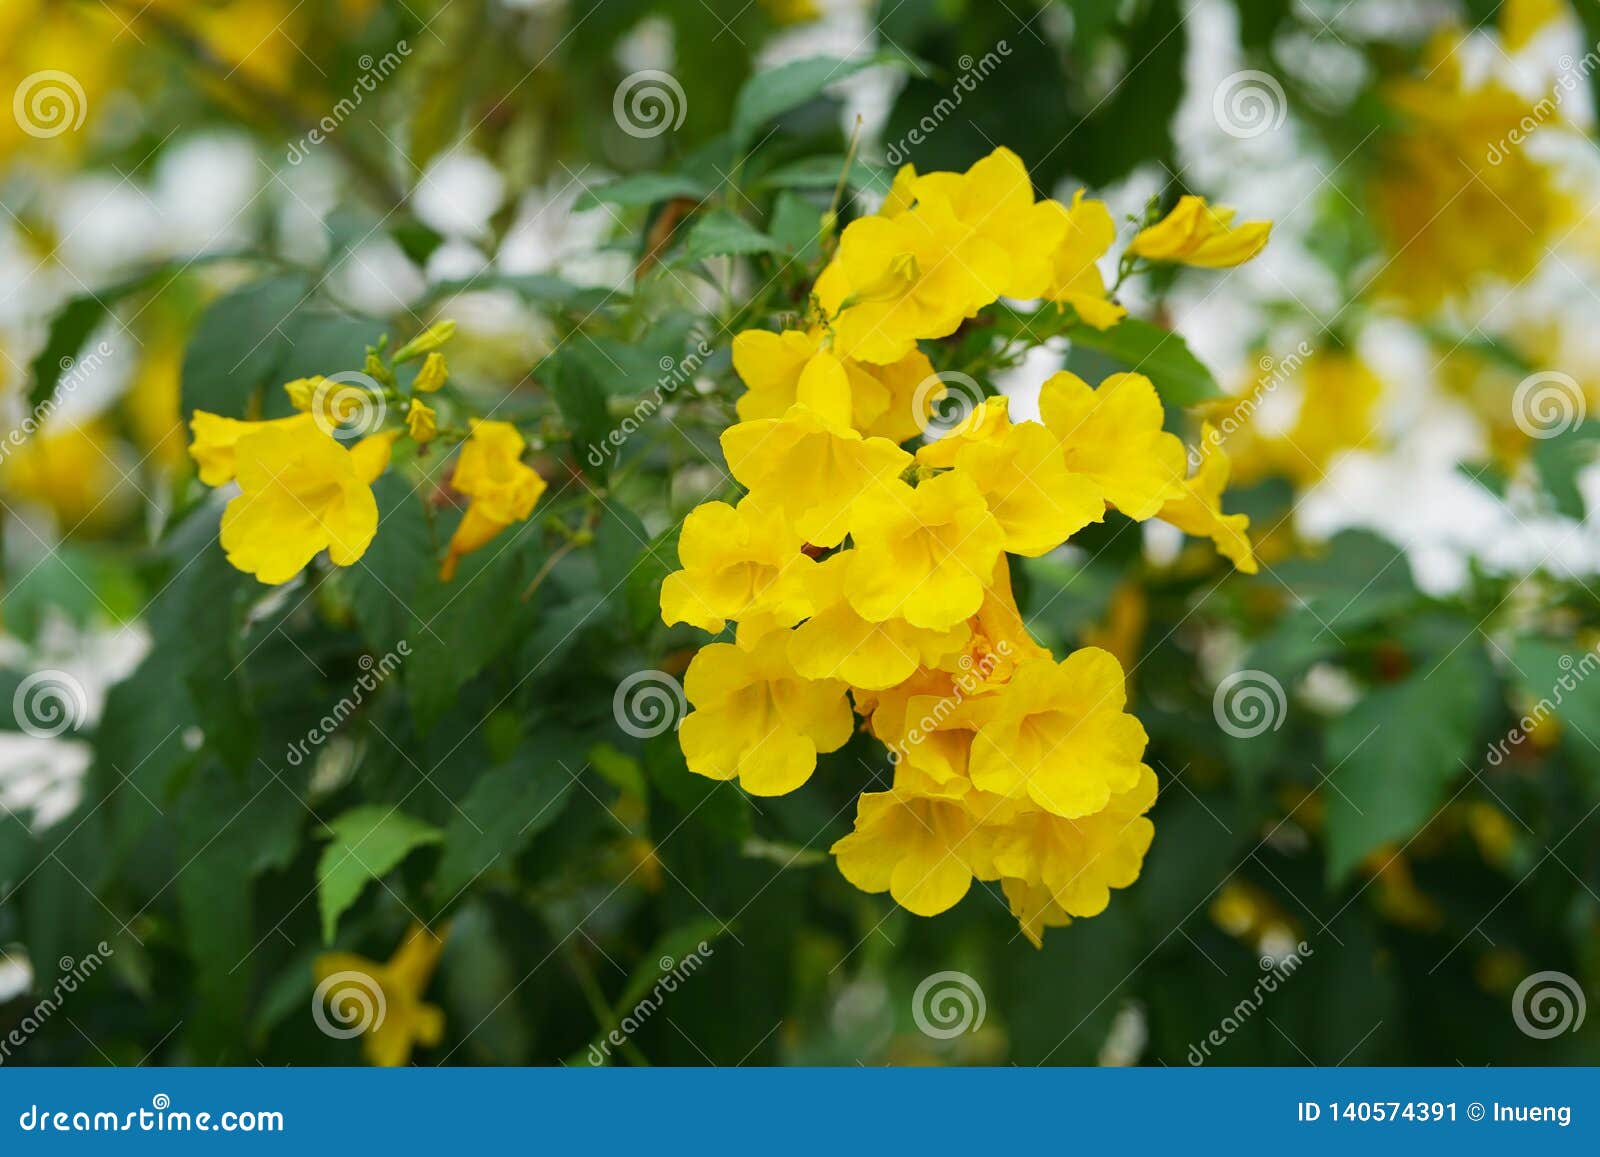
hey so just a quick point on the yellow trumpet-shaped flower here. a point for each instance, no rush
(386, 998)
(1057, 735)
(300, 493)
(993, 201)
(1023, 477)
(923, 850)
(739, 562)
(1198, 510)
(810, 469)
(923, 554)
(837, 643)
(1196, 233)
(1113, 437)
(758, 719)
(215, 438)
(1075, 278)
(1053, 869)
(502, 488)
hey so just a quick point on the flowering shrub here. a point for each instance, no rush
(880, 533)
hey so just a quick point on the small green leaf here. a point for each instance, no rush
(238, 345)
(367, 842)
(720, 233)
(642, 189)
(1181, 378)
(768, 94)
(506, 808)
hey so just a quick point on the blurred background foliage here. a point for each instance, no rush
(1428, 563)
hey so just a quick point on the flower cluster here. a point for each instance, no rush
(868, 578)
(302, 490)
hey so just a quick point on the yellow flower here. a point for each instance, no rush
(1522, 20)
(739, 562)
(388, 997)
(923, 554)
(422, 421)
(72, 471)
(809, 469)
(215, 438)
(300, 493)
(1023, 477)
(431, 376)
(426, 342)
(993, 200)
(922, 850)
(1112, 436)
(781, 369)
(1053, 869)
(899, 279)
(988, 424)
(837, 643)
(755, 718)
(1075, 275)
(902, 194)
(503, 489)
(1338, 412)
(1198, 510)
(1057, 734)
(1195, 233)
(303, 392)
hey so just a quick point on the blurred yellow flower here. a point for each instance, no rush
(392, 1014)
(502, 488)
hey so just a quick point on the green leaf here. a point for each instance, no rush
(797, 226)
(642, 189)
(721, 233)
(384, 582)
(1549, 675)
(1392, 756)
(540, 289)
(238, 345)
(506, 808)
(1162, 356)
(1558, 462)
(69, 331)
(581, 400)
(768, 94)
(367, 842)
(824, 173)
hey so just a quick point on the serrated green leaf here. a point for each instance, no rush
(507, 807)
(238, 345)
(721, 233)
(367, 842)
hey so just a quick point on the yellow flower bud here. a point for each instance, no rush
(431, 376)
(421, 421)
(426, 342)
